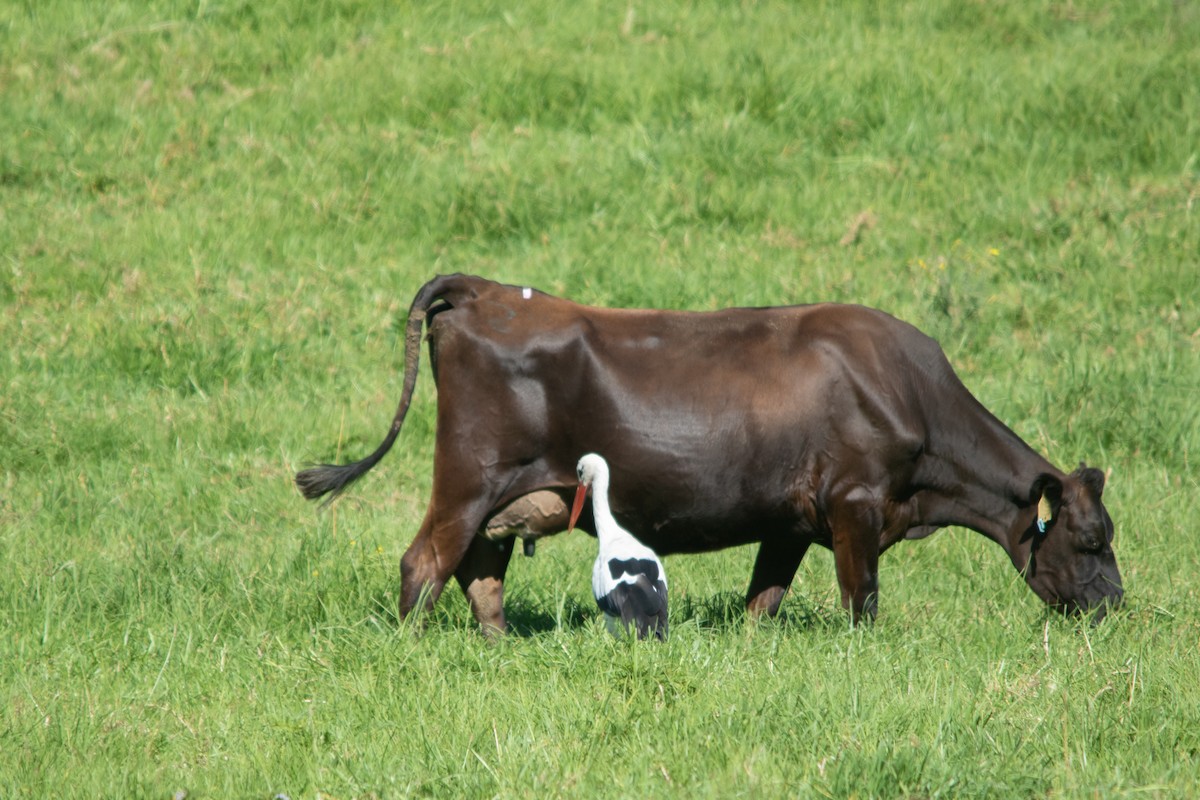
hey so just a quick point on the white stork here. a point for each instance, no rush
(628, 580)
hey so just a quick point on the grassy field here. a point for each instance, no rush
(213, 216)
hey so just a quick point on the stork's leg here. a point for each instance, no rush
(481, 576)
(774, 568)
(856, 529)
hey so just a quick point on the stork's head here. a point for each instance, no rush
(589, 467)
(590, 470)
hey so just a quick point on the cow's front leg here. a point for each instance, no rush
(774, 568)
(481, 576)
(855, 530)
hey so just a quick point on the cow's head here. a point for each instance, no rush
(1069, 544)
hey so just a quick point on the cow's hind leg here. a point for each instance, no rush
(481, 573)
(481, 576)
(437, 552)
(774, 568)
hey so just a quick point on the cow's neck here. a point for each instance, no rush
(978, 474)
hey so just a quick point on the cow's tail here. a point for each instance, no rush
(332, 479)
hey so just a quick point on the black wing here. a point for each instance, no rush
(633, 567)
(642, 603)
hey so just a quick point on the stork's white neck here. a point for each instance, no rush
(593, 471)
(606, 525)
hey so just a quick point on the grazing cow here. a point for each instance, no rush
(830, 424)
(628, 581)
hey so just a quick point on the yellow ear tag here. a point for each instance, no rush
(1044, 514)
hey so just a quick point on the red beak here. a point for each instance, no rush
(577, 506)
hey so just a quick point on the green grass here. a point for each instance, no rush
(213, 217)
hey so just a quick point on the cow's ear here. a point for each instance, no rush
(1092, 478)
(1047, 492)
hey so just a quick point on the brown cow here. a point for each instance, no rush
(830, 424)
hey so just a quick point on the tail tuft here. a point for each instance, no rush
(322, 479)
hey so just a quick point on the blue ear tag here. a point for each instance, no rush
(1044, 514)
